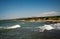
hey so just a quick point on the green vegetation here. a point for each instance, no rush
(39, 19)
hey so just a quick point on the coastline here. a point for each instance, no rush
(50, 19)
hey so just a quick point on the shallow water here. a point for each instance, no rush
(28, 30)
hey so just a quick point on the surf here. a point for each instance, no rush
(56, 26)
(11, 27)
(45, 27)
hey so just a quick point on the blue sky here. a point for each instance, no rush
(10, 9)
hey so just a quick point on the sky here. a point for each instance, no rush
(11, 9)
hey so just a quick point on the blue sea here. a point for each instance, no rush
(13, 29)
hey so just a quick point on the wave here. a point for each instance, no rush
(11, 27)
(56, 26)
(45, 27)
(49, 27)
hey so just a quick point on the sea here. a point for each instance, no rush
(14, 29)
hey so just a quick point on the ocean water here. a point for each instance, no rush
(12, 29)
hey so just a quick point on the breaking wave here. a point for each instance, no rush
(11, 27)
(45, 27)
(56, 26)
(49, 27)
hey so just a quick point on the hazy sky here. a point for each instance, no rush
(27, 8)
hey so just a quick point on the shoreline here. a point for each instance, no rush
(49, 21)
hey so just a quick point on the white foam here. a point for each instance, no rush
(11, 27)
(56, 26)
(45, 27)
